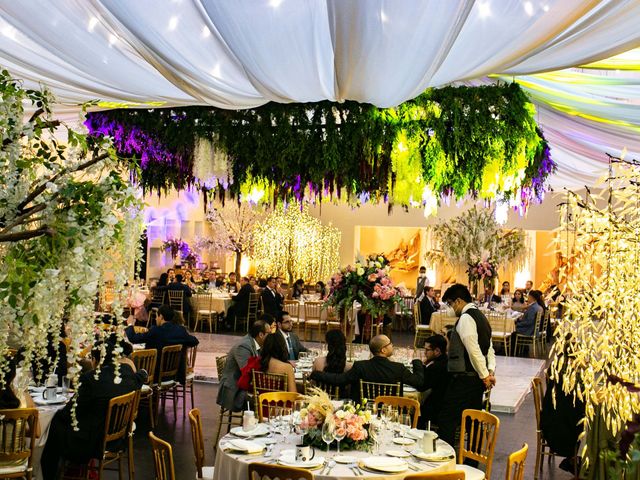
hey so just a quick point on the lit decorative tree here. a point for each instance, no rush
(68, 217)
(596, 355)
(292, 243)
(232, 228)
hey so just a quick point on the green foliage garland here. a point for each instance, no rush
(455, 141)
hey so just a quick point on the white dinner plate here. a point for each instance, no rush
(408, 388)
(442, 454)
(385, 464)
(246, 446)
(403, 441)
(38, 400)
(398, 453)
(345, 459)
(259, 430)
(288, 458)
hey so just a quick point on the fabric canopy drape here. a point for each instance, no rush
(244, 53)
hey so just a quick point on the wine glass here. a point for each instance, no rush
(327, 432)
(339, 433)
(405, 422)
(274, 414)
(286, 419)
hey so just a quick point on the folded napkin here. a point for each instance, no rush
(245, 446)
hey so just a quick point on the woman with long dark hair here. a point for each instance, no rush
(298, 289)
(336, 359)
(274, 358)
(518, 302)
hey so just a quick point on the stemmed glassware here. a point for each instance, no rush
(339, 433)
(404, 422)
(327, 432)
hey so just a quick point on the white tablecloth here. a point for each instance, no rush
(219, 303)
(233, 466)
(440, 319)
(45, 416)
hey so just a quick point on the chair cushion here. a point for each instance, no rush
(423, 327)
(207, 473)
(15, 467)
(190, 376)
(146, 389)
(206, 312)
(470, 473)
(500, 334)
(167, 383)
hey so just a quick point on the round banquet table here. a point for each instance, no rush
(220, 303)
(231, 465)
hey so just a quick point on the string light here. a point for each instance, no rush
(293, 244)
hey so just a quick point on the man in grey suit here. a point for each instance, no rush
(285, 328)
(229, 395)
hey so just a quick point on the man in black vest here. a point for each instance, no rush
(471, 362)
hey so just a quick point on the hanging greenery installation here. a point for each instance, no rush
(447, 142)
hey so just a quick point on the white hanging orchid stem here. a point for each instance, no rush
(69, 220)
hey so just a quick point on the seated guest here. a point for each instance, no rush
(506, 289)
(189, 281)
(161, 286)
(322, 290)
(8, 398)
(93, 398)
(197, 277)
(298, 289)
(232, 285)
(167, 331)
(254, 283)
(240, 303)
(229, 395)
(274, 359)
(377, 369)
(171, 274)
(428, 305)
(435, 379)
(186, 302)
(489, 296)
(272, 302)
(220, 284)
(271, 321)
(525, 325)
(336, 359)
(284, 326)
(518, 302)
(528, 286)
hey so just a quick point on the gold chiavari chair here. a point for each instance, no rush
(226, 417)
(293, 307)
(18, 434)
(267, 382)
(205, 312)
(313, 318)
(162, 458)
(542, 447)
(262, 471)
(529, 340)
(280, 399)
(197, 438)
(332, 390)
(500, 331)
(146, 359)
(478, 435)
(373, 390)
(166, 382)
(404, 405)
(422, 331)
(515, 465)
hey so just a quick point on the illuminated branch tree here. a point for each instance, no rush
(292, 243)
(596, 356)
(232, 228)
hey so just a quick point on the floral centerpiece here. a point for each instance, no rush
(177, 246)
(367, 282)
(351, 420)
(484, 270)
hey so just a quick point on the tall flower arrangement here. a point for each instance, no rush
(473, 238)
(484, 271)
(68, 220)
(367, 282)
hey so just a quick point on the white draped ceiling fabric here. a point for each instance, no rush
(243, 53)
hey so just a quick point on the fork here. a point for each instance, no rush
(327, 467)
(356, 469)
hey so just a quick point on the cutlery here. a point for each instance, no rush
(330, 465)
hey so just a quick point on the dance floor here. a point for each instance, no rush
(513, 374)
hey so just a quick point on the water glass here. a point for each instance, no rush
(339, 433)
(405, 422)
(327, 432)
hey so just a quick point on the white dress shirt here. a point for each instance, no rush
(469, 335)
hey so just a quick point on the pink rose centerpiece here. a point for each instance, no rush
(351, 420)
(367, 282)
(485, 271)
